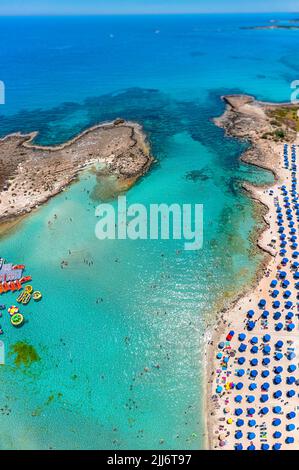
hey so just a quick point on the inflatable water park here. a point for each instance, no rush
(13, 279)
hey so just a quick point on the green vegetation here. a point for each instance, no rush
(285, 116)
(25, 354)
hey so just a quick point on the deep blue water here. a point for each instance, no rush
(98, 361)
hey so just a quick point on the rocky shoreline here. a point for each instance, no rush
(31, 174)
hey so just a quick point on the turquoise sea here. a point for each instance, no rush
(119, 333)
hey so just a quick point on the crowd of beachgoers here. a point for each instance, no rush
(255, 376)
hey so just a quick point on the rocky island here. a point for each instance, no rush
(31, 174)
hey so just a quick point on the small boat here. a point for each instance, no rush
(17, 320)
(13, 310)
(37, 296)
(29, 289)
(19, 266)
(26, 298)
(25, 279)
(2, 307)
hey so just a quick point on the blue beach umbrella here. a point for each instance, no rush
(251, 447)
(265, 447)
(265, 314)
(242, 337)
(276, 304)
(277, 315)
(254, 362)
(273, 283)
(252, 387)
(238, 434)
(250, 399)
(275, 293)
(279, 344)
(287, 294)
(238, 398)
(242, 347)
(277, 380)
(265, 386)
(277, 446)
(290, 440)
(251, 423)
(241, 372)
(253, 373)
(251, 411)
(277, 394)
(277, 409)
(254, 340)
(238, 447)
(278, 370)
(250, 313)
(241, 360)
(266, 338)
(264, 398)
(290, 427)
(254, 350)
(239, 386)
(277, 435)
(278, 327)
(266, 361)
(240, 423)
(238, 411)
(291, 393)
(251, 436)
(292, 368)
(265, 373)
(266, 349)
(276, 422)
(262, 303)
(291, 327)
(250, 325)
(291, 415)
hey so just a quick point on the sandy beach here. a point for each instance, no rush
(252, 364)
